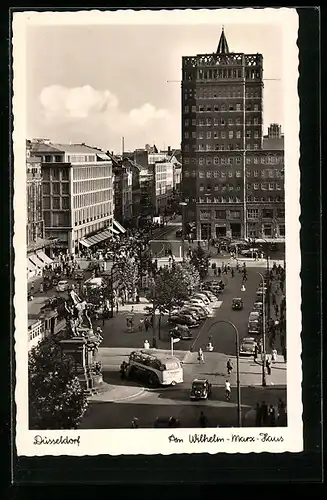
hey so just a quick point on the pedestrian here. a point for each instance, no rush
(256, 350)
(284, 354)
(227, 390)
(135, 423)
(274, 355)
(232, 272)
(203, 420)
(268, 366)
(258, 415)
(219, 271)
(229, 367)
(272, 416)
(200, 356)
(264, 413)
(146, 324)
(276, 309)
(141, 324)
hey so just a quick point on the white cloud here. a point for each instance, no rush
(78, 103)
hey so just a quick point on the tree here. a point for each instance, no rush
(200, 260)
(191, 276)
(56, 397)
(128, 275)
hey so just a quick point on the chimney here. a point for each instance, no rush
(169, 149)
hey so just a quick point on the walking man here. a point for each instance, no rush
(229, 367)
(200, 356)
(227, 390)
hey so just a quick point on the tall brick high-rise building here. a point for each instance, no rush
(226, 183)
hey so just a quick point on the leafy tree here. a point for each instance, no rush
(128, 275)
(56, 398)
(200, 260)
(191, 276)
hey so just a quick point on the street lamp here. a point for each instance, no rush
(237, 344)
(264, 383)
(183, 204)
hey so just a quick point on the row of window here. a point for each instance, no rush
(85, 200)
(88, 214)
(233, 160)
(221, 122)
(55, 188)
(220, 187)
(57, 219)
(252, 213)
(220, 174)
(55, 174)
(221, 135)
(92, 172)
(230, 199)
(264, 186)
(219, 92)
(56, 203)
(200, 108)
(219, 147)
(223, 74)
(92, 185)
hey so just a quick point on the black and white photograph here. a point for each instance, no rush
(156, 211)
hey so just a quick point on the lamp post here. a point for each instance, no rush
(237, 345)
(264, 382)
(183, 205)
(112, 289)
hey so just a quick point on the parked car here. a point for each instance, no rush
(254, 315)
(237, 304)
(78, 275)
(247, 347)
(257, 307)
(185, 311)
(201, 389)
(183, 319)
(200, 313)
(203, 297)
(181, 332)
(62, 286)
(261, 291)
(211, 296)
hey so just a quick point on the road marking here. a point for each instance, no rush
(104, 400)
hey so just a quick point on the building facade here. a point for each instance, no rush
(77, 194)
(274, 139)
(34, 223)
(123, 190)
(222, 138)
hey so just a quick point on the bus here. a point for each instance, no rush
(155, 367)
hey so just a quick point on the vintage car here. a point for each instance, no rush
(62, 286)
(181, 332)
(201, 389)
(237, 304)
(257, 307)
(183, 319)
(247, 347)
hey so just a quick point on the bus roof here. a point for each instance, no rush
(156, 353)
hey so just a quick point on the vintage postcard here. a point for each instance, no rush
(156, 232)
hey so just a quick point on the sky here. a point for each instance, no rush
(99, 83)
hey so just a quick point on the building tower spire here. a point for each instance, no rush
(222, 45)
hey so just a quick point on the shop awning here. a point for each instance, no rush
(44, 258)
(37, 262)
(30, 266)
(119, 226)
(97, 238)
(113, 230)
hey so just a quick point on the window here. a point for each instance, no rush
(263, 186)
(216, 174)
(256, 107)
(267, 213)
(193, 160)
(209, 122)
(253, 213)
(201, 160)
(281, 229)
(65, 202)
(223, 175)
(238, 121)
(255, 173)
(230, 134)
(231, 107)
(220, 214)
(56, 203)
(46, 188)
(201, 174)
(235, 214)
(248, 160)
(187, 122)
(256, 186)
(263, 160)
(201, 135)
(201, 122)
(205, 214)
(238, 107)
(193, 109)
(194, 122)
(238, 188)
(256, 121)
(201, 109)
(216, 187)
(47, 159)
(255, 146)
(186, 161)
(215, 135)
(208, 108)
(271, 186)
(56, 188)
(238, 134)
(186, 173)
(223, 135)
(208, 135)
(193, 134)
(201, 188)
(238, 173)
(256, 134)
(267, 230)
(230, 121)
(216, 108)
(186, 148)
(222, 122)
(186, 109)
(238, 160)
(65, 188)
(223, 160)
(278, 186)
(208, 147)
(230, 187)
(230, 174)
(55, 174)
(223, 107)
(46, 202)
(248, 134)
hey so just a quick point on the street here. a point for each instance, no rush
(105, 410)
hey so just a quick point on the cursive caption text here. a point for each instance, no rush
(38, 440)
(262, 437)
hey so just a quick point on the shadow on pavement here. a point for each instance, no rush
(112, 377)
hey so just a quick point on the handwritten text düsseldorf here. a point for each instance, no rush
(38, 440)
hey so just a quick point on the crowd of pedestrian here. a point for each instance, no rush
(270, 415)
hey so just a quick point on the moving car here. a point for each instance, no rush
(237, 304)
(62, 286)
(249, 252)
(201, 389)
(247, 347)
(181, 332)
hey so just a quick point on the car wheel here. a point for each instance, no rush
(173, 383)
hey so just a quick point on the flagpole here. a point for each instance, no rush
(172, 346)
